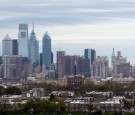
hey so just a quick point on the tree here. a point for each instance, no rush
(13, 90)
(2, 90)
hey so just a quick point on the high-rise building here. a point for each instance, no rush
(90, 54)
(60, 63)
(46, 50)
(99, 67)
(7, 46)
(6, 53)
(16, 66)
(6, 66)
(15, 47)
(117, 60)
(33, 46)
(23, 40)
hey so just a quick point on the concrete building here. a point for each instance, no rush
(99, 67)
(60, 63)
(16, 61)
(120, 65)
(123, 69)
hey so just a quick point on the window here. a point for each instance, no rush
(23, 34)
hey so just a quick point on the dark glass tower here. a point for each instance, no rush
(90, 54)
(46, 50)
(15, 47)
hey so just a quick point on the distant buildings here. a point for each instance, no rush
(21, 59)
(120, 66)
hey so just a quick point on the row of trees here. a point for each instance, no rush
(10, 91)
(115, 87)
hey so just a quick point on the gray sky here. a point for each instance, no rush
(75, 24)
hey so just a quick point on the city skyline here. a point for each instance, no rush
(100, 25)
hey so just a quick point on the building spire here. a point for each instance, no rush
(113, 53)
(33, 26)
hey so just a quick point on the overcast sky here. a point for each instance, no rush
(75, 24)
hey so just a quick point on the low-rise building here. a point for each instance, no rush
(78, 104)
(112, 105)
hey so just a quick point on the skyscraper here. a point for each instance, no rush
(60, 63)
(90, 54)
(15, 47)
(7, 46)
(23, 40)
(46, 50)
(33, 46)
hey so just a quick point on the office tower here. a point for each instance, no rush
(16, 63)
(60, 63)
(41, 59)
(6, 53)
(6, 66)
(46, 50)
(113, 58)
(90, 54)
(117, 60)
(124, 69)
(7, 46)
(98, 68)
(23, 40)
(33, 46)
(51, 57)
(15, 47)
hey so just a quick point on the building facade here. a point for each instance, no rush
(7, 46)
(23, 40)
(15, 46)
(90, 54)
(33, 49)
(46, 50)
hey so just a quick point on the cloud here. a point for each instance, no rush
(59, 12)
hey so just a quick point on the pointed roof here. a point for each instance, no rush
(46, 36)
(7, 37)
(33, 32)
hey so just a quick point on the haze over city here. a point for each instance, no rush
(74, 25)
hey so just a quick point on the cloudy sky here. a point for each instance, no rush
(75, 24)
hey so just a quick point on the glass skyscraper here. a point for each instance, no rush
(23, 40)
(46, 50)
(90, 54)
(33, 46)
(7, 46)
